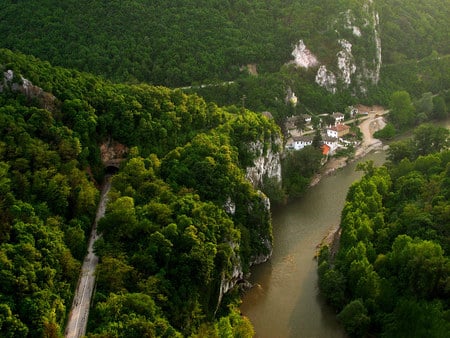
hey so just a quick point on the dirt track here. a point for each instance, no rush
(370, 125)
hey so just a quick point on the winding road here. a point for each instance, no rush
(79, 313)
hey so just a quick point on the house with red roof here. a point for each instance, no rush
(338, 130)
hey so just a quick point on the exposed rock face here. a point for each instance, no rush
(326, 79)
(345, 62)
(360, 27)
(230, 206)
(267, 163)
(265, 237)
(112, 153)
(237, 275)
(303, 56)
(20, 84)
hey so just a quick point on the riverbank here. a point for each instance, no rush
(287, 300)
(368, 127)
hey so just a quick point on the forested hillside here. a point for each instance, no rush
(179, 43)
(182, 223)
(391, 274)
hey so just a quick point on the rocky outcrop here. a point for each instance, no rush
(112, 153)
(303, 56)
(267, 162)
(265, 236)
(266, 165)
(357, 27)
(326, 79)
(229, 281)
(19, 84)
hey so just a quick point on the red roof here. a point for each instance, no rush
(325, 149)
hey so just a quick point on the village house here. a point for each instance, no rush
(290, 122)
(331, 142)
(300, 142)
(338, 117)
(338, 130)
(325, 153)
(306, 118)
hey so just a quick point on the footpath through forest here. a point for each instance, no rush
(79, 313)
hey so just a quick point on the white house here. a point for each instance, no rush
(338, 117)
(300, 142)
(306, 118)
(331, 142)
(338, 130)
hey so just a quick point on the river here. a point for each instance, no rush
(285, 301)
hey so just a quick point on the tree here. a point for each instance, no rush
(10, 324)
(425, 104)
(412, 318)
(401, 109)
(439, 108)
(400, 150)
(354, 318)
(429, 139)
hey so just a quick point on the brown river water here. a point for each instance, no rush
(285, 301)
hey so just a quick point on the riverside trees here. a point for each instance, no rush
(393, 267)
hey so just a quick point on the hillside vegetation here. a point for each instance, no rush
(167, 242)
(391, 274)
(183, 42)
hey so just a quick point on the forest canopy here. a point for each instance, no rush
(182, 217)
(182, 43)
(391, 274)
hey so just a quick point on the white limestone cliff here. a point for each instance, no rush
(303, 56)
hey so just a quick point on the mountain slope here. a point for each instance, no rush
(183, 223)
(183, 42)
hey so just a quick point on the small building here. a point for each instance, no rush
(306, 118)
(331, 142)
(338, 130)
(338, 117)
(300, 142)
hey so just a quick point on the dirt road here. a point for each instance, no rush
(79, 313)
(368, 127)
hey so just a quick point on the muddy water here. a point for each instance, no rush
(285, 301)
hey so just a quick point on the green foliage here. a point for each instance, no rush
(298, 169)
(354, 318)
(219, 42)
(167, 238)
(393, 265)
(418, 21)
(426, 139)
(387, 133)
(401, 110)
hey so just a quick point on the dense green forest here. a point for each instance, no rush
(182, 218)
(180, 43)
(168, 242)
(391, 274)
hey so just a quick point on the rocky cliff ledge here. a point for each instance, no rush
(18, 84)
